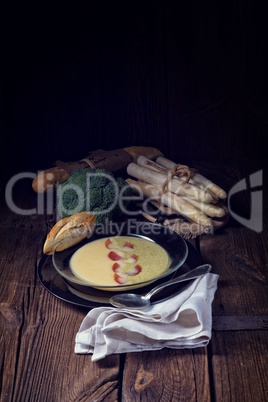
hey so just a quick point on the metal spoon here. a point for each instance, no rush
(133, 300)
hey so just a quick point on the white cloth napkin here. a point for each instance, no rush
(183, 321)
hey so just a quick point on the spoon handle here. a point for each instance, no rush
(194, 273)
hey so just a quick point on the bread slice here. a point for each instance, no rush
(69, 231)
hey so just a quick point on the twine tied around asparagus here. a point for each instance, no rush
(178, 171)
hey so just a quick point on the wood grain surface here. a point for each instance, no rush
(38, 330)
(190, 80)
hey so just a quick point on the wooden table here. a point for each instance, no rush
(38, 330)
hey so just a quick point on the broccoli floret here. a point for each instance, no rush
(94, 190)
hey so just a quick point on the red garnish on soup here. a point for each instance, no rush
(115, 266)
(127, 244)
(114, 256)
(108, 242)
(119, 279)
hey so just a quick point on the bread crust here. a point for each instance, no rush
(47, 178)
(69, 231)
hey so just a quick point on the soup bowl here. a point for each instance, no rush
(153, 237)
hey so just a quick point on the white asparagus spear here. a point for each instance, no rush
(169, 164)
(157, 167)
(171, 200)
(177, 186)
(196, 177)
(214, 211)
(153, 165)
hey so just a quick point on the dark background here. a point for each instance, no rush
(189, 79)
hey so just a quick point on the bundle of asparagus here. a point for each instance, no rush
(177, 189)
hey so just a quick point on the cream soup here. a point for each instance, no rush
(119, 260)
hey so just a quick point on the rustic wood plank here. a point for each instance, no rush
(240, 366)
(167, 375)
(239, 323)
(239, 255)
(243, 271)
(38, 334)
(38, 331)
